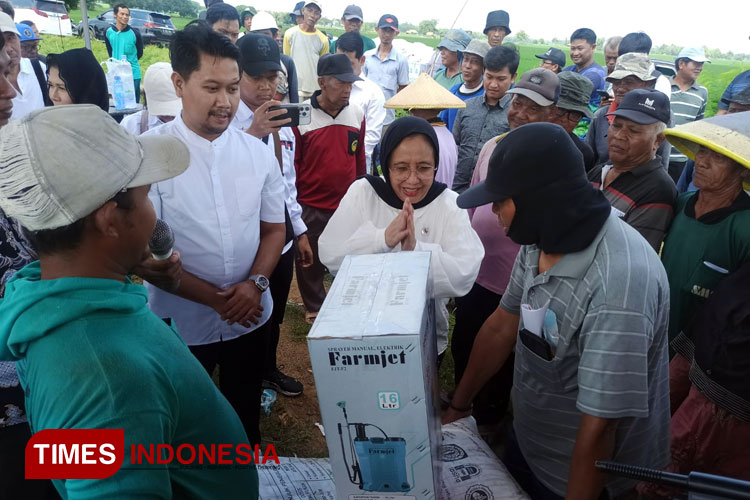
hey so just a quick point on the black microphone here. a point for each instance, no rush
(162, 241)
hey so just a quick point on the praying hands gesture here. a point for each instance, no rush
(401, 229)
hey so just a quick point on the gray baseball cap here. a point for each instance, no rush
(632, 63)
(540, 85)
(575, 92)
(62, 163)
(353, 12)
(478, 48)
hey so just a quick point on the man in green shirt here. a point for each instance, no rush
(89, 352)
(450, 48)
(352, 21)
(710, 234)
(122, 40)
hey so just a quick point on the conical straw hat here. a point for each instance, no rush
(728, 135)
(424, 93)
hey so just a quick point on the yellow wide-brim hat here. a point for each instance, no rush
(728, 135)
(424, 93)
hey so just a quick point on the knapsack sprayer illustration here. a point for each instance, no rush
(377, 463)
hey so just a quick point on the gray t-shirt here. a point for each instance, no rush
(608, 314)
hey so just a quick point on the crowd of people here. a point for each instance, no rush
(589, 225)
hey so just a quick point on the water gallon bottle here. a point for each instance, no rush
(118, 93)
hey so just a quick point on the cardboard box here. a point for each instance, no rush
(373, 353)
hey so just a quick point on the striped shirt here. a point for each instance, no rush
(643, 197)
(610, 307)
(687, 106)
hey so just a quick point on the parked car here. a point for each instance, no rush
(666, 68)
(155, 28)
(50, 16)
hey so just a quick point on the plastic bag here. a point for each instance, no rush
(122, 69)
(267, 399)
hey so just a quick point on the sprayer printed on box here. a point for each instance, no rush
(373, 354)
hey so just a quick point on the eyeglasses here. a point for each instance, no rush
(403, 172)
(574, 116)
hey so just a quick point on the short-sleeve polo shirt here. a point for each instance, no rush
(609, 305)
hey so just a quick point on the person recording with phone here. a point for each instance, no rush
(256, 114)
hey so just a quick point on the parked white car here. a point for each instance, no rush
(50, 16)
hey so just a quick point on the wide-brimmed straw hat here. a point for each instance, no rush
(424, 93)
(728, 135)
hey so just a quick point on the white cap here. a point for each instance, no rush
(7, 25)
(309, 2)
(60, 164)
(263, 21)
(161, 99)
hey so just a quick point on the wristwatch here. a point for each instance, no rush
(260, 281)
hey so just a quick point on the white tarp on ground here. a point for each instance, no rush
(470, 471)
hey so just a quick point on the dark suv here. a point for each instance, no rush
(155, 28)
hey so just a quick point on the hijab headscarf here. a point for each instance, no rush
(83, 76)
(396, 133)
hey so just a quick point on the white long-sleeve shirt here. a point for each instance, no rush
(242, 120)
(367, 95)
(443, 229)
(215, 209)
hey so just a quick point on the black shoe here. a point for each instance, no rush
(284, 384)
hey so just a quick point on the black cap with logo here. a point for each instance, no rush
(557, 56)
(258, 54)
(644, 106)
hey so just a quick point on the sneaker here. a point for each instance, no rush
(286, 385)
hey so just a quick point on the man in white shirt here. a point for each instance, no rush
(365, 93)
(260, 63)
(227, 214)
(162, 103)
(28, 91)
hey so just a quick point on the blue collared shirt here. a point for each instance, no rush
(388, 74)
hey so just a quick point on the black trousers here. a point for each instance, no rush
(13, 441)
(281, 282)
(241, 362)
(472, 310)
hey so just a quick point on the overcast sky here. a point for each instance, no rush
(722, 24)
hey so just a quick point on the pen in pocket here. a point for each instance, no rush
(715, 267)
